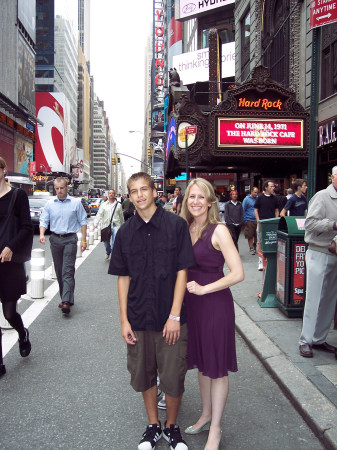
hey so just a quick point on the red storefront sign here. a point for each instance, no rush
(322, 12)
(259, 133)
(191, 129)
(298, 273)
(32, 168)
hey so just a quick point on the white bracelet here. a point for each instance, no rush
(175, 318)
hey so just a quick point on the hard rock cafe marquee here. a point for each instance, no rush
(258, 127)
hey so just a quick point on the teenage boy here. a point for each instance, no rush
(297, 203)
(151, 254)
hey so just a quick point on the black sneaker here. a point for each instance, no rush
(151, 436)
(25, 345)
(173, 437)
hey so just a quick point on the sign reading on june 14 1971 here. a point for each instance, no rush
(276, 133)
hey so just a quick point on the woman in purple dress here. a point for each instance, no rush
(210, 308)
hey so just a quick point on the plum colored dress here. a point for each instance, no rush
(210, 317)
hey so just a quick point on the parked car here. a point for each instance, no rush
(36, 205)
(86, 206)
(95, 204)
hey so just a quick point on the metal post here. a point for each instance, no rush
(186, 156)
(313, 121)
(37, 267)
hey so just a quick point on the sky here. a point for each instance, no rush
(119, 31)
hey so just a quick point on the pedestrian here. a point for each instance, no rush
(265, 208)
(110, 212)
(281, 199)
(16, 240)
(177, 200)
(249, 219)
(65, 216)
(126, 202)
(321, 270)
(234, 217)
(151, 255)
(289, 193)
(210, 306)
(297, 203)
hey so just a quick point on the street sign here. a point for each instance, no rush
(322, 12)
(193, 128)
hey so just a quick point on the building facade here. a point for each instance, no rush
(17, 73)
(101, 165)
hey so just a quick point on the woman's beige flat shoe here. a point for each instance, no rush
(192, 430)
(218, 447)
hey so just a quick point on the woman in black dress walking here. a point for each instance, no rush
(209, 306)
(15, 247)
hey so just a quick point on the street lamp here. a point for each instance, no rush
(45, 173)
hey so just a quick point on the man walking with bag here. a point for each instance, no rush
(110, 213)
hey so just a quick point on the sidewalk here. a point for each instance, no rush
(310, 383)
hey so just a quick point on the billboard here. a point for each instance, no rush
(7, 146)
(279, 133)
(23, 155)
(175, 33)
(26, 76)
(194, 66)
(55, 147)
(193, 8)
(157, 122)
(158, 53)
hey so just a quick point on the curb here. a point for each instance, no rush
(319, 413)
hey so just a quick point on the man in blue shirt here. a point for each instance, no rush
(65, 215)
(249, 219)
(297, 203)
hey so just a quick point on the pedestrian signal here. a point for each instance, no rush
(113, 161)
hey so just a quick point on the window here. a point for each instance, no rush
(275, 40)
(329, 61)
(245, 46)
(225, 28)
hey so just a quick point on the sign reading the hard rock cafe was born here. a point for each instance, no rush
(278, 133)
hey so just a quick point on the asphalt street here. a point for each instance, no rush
(73, 391)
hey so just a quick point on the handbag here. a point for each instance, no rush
(106, 231)
(10, 229)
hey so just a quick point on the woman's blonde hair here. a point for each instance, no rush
(213, 211)
(3, 165)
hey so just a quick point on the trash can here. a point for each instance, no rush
(268, 246)
(290, 277)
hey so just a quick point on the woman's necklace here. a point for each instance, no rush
(195, 228)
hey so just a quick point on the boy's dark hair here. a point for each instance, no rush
(136, 176)
(297, 183)
(277, 190)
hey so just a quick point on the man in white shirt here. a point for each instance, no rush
(110, 212)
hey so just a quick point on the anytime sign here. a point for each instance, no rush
(322, 12)
(260, 133)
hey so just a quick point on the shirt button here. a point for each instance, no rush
(149, 234)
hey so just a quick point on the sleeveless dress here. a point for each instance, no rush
(210, 317)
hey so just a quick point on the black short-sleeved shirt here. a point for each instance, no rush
(296, 205)
(151, 254)
(266, 205)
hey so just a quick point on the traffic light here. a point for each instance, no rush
(149, 152)
(113, 161)
(118, 160)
